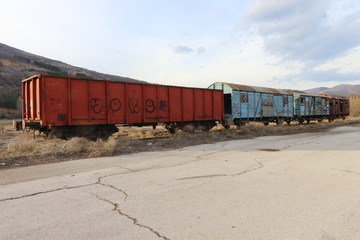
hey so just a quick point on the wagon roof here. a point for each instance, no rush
(330, 95)
(240, 87)
(309, 94)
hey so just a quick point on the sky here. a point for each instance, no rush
(298, 44)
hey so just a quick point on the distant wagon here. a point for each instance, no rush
(339, 106)
(243, 104)
(72, 106)
(308, 107)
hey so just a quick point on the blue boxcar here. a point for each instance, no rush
(245, 103)
(311, 107)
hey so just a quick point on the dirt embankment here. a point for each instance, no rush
(18, 149)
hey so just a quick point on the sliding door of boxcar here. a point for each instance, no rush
(268, 103)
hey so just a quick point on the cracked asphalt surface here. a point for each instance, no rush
(303, 186)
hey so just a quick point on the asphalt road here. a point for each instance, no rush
(304, 186)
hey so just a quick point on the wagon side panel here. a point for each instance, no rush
(97, 102)
(116, 103)
(218, 105)
(236, 105)
(163, 103)
(258, 105)
(251, 104)
(188, 104)
(346, 107)
(79, 101)
(55, 99)
(175, 104)
(134, 103)
(209, 105)
(288, 106)
(199, 104)
(150, 104)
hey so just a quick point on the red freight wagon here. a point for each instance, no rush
(89, 106)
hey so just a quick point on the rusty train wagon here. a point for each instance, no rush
(71, 106)
(248, 103)
(310, 107)
(339, 106)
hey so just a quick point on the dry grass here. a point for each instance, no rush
(355, 105)
(24, 150)
(25, 145)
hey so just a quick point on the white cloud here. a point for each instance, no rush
(313, 33)
(200, 50)
(346, 64)
(183, 49)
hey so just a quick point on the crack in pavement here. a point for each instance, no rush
(302, 143)
(98, 182)
(199, 157)
(116, 205)
(111, 186)
(134, 220)
(346, 171)
(43, 192)
(194, 159)
(260, 165)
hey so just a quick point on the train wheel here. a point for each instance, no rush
(240, 124)
(173, 130)
(62, 133)
(210, 125)
(201, 128)
(188, 128)
(266, 123)
(227, 126)
(308, 121)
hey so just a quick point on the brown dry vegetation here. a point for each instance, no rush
(355, 105)
(22, 149)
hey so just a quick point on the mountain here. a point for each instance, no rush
(344, 89)
(316, 90)
(16, 65)
(341, 90)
